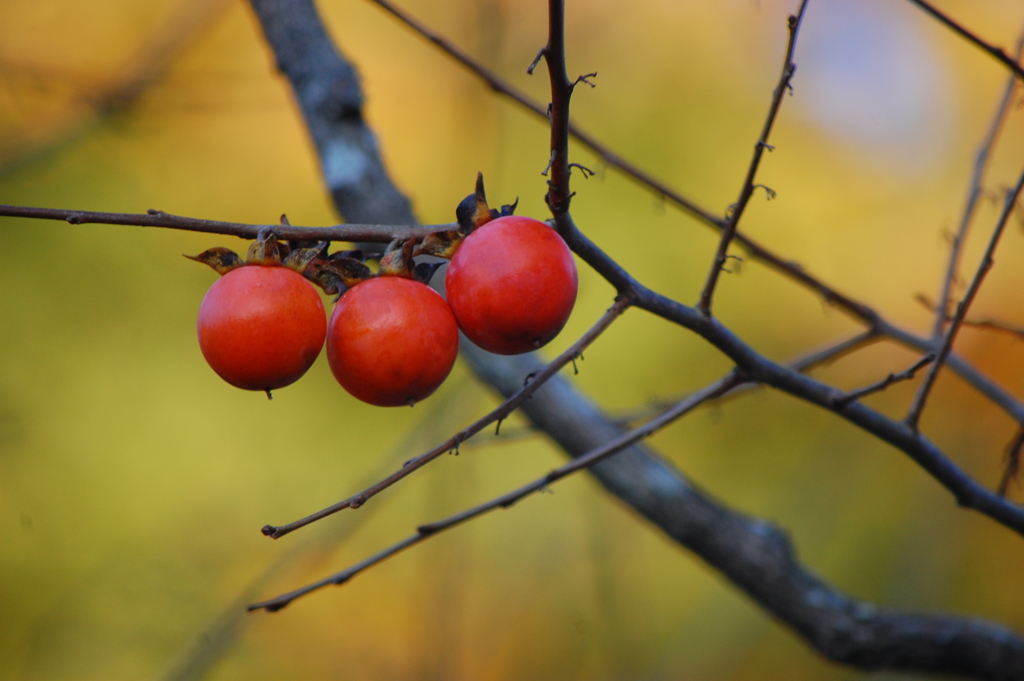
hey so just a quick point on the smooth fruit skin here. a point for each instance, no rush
(391, 341)
(261, 327)
(512, 285)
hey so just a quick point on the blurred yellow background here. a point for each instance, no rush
(133, 482)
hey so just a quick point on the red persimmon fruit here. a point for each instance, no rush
(512, 285)
(391, 341)
(261, 327)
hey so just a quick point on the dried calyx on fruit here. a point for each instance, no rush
(512, 280)
(261, 325)
(391, 339)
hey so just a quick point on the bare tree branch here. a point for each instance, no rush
(534, 382)
(327, 90)
(914, 415)
(736, 210)
(854, 395)
(967, 491)
(559, 195)
(792, 270)
(801, 363)
(991, 324)
(997, 52)
(974, 193)
(1012, 467)
(751, 553)
(156, 218)
(507, 500)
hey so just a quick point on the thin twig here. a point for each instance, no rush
(986, 323)
(729, 231)
(855, 395)
(974, 194)
(914, 414)
(967, 491)
(790, 269)
(801, 363)
(997, 52)
(155, 218)
(589, 459)
(559, 194)
(1012, 467)
(506, 408)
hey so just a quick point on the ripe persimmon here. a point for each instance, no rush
(512, 284)
(261, 327)
(391, 341)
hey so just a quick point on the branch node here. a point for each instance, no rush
(585, 78)
(587, 172)
(541, 53)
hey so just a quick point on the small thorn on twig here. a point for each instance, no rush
(497, 428)
(587, 172)
(767, 190)
(585, 78)
(154, 211)
(284, 220)
(764, 145)
(547, 168)
(270, 395)
(541, 53)
(575, 370)
(844, 399)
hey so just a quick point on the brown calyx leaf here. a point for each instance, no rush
(222, 260)
(348, 271)
(441, 244)
(264, 251)
(324, 277)
(507, 209)
(397, 260)
(473, 211)
(300, 258)
(425, 271)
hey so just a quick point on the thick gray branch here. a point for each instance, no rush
(753, 554)
(326, 87)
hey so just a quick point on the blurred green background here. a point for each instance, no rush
(133, 482)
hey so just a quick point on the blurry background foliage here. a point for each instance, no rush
(133, 481)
